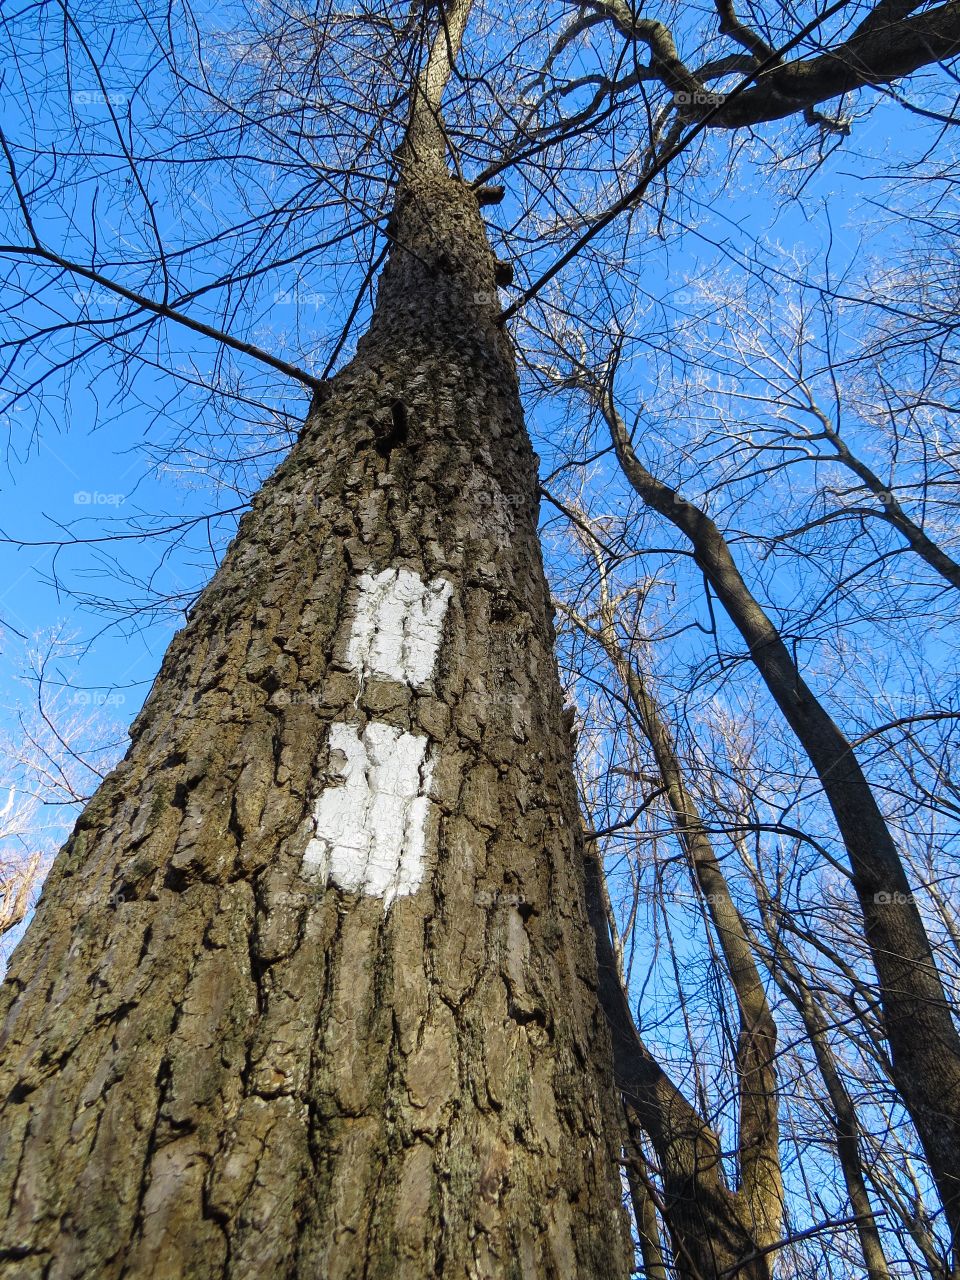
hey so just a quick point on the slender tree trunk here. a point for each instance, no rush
(710, 1227)
(846, 1123)
(761, 1180)
(311, 990)
(917, 1017)
(756, 1209)
(645, 1219)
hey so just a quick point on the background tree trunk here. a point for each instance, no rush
(709, 1225)
(224, 1058)
(917, 1016)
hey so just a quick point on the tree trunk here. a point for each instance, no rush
(844, 1120)
(712, 1236)
(918, 1018)
(311, 990)
(758, 1159)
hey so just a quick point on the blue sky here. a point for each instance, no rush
(79, 466)
(78, 470)
(90, 460)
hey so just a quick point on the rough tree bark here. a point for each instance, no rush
(311, 989)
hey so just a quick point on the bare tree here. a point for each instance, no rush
(58, 752)
(703, 1242)
(318, 949)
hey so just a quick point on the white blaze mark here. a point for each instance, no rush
(370, 828)
(396, 631)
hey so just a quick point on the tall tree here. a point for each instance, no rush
(310, 990)
(715, 1229)
(918, 1015)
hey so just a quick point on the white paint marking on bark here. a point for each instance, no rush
(397, 627)
(370, 826)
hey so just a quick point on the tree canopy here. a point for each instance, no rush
(728, 261)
